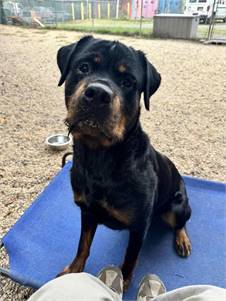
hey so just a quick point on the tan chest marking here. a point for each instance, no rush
(124, 217)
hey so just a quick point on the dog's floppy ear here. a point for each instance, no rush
(152, 80)
(65, 55)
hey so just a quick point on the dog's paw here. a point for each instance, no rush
(126, 281)
(65, 271)
(183, 244)
(73, 268)
(127, 277)
(126, 284)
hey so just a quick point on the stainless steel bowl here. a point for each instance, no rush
(58, 141)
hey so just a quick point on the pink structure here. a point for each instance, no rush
(149, 8)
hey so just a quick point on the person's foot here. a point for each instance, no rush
(112, 277)
(150, 287)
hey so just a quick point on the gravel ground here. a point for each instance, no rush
(186, 121)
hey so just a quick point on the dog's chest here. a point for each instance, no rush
(99, 199)
(106, 213)
(108, 188)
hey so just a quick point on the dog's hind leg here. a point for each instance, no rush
(177, 216)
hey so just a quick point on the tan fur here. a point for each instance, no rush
(116, 105)
(97, 60)
(88, 238)
(80, 198)
(80, 89)
(183, 243)
(122, 68)
(119, 129)
(115, 128)
(181, 236)
(73, 100)
(78, 263)
(122, 217)
(169, 218)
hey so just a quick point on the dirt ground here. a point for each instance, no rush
(186, 121)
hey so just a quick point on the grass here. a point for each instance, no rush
(115, 27)
(123, 28)
(203, 31)
(127, 27)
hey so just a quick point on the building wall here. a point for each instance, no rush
(149, 8)
(170, 6)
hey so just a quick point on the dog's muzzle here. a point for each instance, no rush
(95, 112)
(98, 93)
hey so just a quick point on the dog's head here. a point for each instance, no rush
(104, 81)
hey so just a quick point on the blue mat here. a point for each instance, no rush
(45, 239)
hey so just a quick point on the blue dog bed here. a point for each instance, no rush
(44, 240)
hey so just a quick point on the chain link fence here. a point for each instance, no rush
(128, 17)
(58, 11)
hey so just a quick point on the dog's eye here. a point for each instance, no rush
(84, 68)
(127, 83)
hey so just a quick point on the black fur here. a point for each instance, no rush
(126, 183)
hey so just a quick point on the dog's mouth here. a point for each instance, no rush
(87, 127)
(89, 124)
(92, 118)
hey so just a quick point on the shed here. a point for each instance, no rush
(177, 26)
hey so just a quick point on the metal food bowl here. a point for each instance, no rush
(58, 141)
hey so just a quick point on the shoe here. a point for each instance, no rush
(112, 277)
(150, 287)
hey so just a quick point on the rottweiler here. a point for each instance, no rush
(118, 178)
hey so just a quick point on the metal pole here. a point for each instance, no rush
(141, 13)
(210, 31)
(90, 11)
(87, 9)
(213, 23)
(73, 11)
(55, 13)
(99, 10)
(128, 10)
(117, 8)
(109, 9)
(92, 18)
(82, 10)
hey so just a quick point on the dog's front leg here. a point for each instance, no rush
(136, 239)
(88, 229)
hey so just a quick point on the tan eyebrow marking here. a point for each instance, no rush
(97, 59)
(122, 68)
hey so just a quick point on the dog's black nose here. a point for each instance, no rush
(98, 92)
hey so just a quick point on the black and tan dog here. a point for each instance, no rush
(118, 178)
